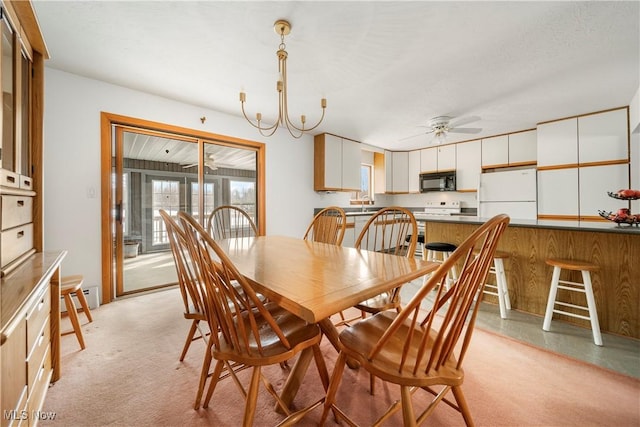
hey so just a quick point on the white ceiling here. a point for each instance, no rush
(385, 68)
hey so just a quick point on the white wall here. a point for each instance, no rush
(72, 164)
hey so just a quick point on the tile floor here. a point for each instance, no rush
(620, 354)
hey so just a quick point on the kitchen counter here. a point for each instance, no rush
(615, 249)
(598, 226)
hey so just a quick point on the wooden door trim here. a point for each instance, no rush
(107, 120)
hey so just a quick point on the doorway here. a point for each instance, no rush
(150, 167)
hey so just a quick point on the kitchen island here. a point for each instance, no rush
(616, 249)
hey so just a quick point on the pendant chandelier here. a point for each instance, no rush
(282, 28)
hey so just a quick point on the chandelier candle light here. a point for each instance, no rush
(282, 28)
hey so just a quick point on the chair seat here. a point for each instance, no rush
(297, 331)
(569, 264)
(440, 247)
(381, 302)
(359, 339)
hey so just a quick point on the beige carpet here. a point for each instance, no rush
(130, 375)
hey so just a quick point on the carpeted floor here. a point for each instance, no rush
(129, 375)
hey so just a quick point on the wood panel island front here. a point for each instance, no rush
(615, 249)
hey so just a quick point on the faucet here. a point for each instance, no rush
(362, 199)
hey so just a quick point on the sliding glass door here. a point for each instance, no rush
(152, 170)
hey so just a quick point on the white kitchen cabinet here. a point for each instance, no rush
(351, 165)
(558, 193)
(523, 148)
(349, 233)
(557, 143)
(400, 171)
(429, 159)
(336, 163)
(468, 165)
(388, 171)
(414, 171)
(495, 151)
(603, 137)
(595, 182)
(447, 157)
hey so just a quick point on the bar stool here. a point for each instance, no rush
(500, 288)
(585, 287)
(69, 285)
(439, 252)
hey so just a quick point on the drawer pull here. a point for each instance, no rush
(20, 234)
(11, 179)
(20, 203)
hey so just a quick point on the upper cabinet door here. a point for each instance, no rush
(414, 171)
(603, 137)
(523, 148)
(447, 157)
(401, 172)
(429, 159)
(351, 162)
(468, 166)
(327, 163)
(388, 171)
(495, 151)
(557, 143)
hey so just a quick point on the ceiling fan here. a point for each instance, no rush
(442, 125)
(209, 162)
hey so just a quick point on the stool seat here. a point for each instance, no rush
(69, 285)
(585, 287)
(568, 264)
(440, 247)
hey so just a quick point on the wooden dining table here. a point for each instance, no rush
(316, 280)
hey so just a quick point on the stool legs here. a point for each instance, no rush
(83, 303)
(73, 316)
(501, 286)
(591, 303)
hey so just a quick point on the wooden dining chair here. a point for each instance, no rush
(418, 348)
(252, 333)
(192, 297)
(392, 230)
(230, 221)
(327, 226)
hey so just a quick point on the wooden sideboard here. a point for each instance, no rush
(29, 336)
(616, 250)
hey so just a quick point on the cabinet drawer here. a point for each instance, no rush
(13, 355)
(18, 416)
(38, 316)
(15, 242)
(38, 389)
(35, 360)
(16, 210)
(9, 179)
(26, 183)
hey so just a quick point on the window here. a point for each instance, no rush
(366, 185)
(165, 195)
(243, 195)
(209, 198)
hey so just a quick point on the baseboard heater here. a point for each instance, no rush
(90, 294)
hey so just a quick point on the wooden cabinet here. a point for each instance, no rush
(603, 137)
(495, 152)
(23, 53)
(523, 148)
(336, 163)
(30, 336)
(414, 171)
(468, 166)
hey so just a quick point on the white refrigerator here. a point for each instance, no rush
(512, 192)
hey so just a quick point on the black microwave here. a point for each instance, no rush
(439, 181)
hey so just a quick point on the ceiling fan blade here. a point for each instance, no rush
(189, 165)
(465, 130)
(416, 135)
(463, 121)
